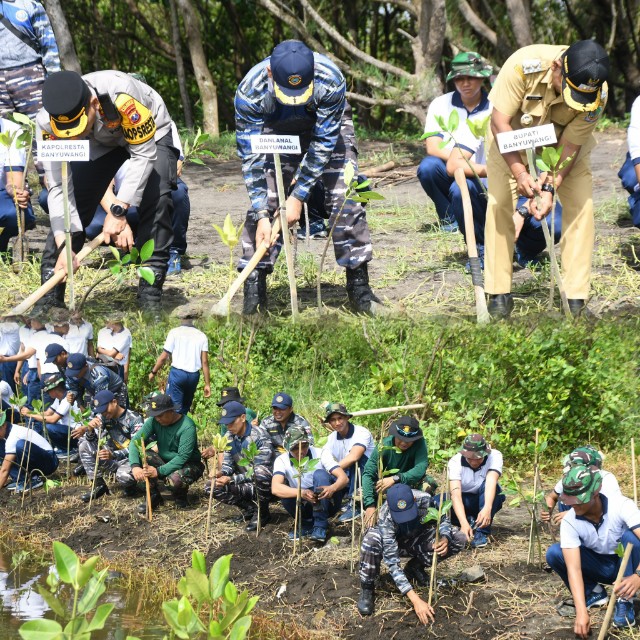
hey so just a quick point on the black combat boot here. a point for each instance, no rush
(99, 489)
(150, 295)
(367, 600)
(500, 305)
(156, 501)
(255, 293)
(576, 306)
(361, 298)
(53, 298)
(415, 571)
(79, 470)
(265, 518)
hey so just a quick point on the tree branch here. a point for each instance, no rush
(476, 23)
(148, 27)
(351, 48)
(403, 4)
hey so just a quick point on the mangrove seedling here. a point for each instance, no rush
(301, 466)
(87, 585)
(230, 236)
(249, 463)
(102, 441)
(142, 452)
(220, 444)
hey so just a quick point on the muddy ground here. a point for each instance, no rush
(416, 268)
(515, 601)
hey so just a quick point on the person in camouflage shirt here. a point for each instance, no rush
(400, 531)
(233, 484)
(116, 425)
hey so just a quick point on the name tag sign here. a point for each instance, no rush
(526, 138)
(275, 144)
(63, 150)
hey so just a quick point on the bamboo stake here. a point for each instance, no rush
(67, 232)
(434, 561)
(533, 525)
(353, 512)
(633, 470)
(146, 481)
(95, 469)
(612, 600)
(401, 407)
(212, 477)
(286, 239)
(296, 527)
(27, 473)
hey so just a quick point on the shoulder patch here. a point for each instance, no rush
(138, 124)
(47, 136)
(532, 65)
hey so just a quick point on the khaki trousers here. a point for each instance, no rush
(578, 227)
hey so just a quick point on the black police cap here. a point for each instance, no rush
(65, 97)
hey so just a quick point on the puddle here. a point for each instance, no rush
(21, 601)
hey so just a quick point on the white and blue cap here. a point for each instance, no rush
(231, 411)
(402, 505)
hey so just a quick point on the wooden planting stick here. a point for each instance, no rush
(402, 407)
(612, 600)
(146, 481)
(434, 561)
(533, 527)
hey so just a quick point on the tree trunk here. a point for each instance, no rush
(182, 78)
(206, 85)
(520, 17)
(68, 55)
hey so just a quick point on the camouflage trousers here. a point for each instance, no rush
(351, 237)
(418, 545)
(87, 450)
(239, 494)
(178, 482)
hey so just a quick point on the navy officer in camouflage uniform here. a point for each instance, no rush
(235, 483)
(298, 92)
(117, 425)
(400, 532)
(123, 119)
(85, 378)
(282, 418)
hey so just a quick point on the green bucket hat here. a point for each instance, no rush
(470, 64)
(475, 447)
(294, 436)
(580, 485)
(52, 381)
(335, 407)
(586, 456)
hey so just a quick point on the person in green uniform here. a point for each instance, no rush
(176, 461)
(403, 449)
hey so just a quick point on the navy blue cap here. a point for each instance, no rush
(231, 411)
(75, 363)
(402, 505)
(53, 351)
(101, 401)
(406, 428)
(292, 69)
(282, 401)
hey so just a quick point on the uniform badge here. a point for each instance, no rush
(63, 118)
(279, 399)
(22, 15)
(154, 405)
(138, 124)
(532, 66)
(402, 504)
(225, 394)
(95, 403)
(294, 80)
(406, 429)
(224, 412)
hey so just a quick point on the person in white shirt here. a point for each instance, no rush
(58, 416)
(80, 335)
(188, 349)
(114, 341)
(22, 372)
(585, 558)
(586, 456)
(474, 489)
(322, 486)
(9, 346)
(470, 101)
(629, 173)
(351, 445)
(27, 455)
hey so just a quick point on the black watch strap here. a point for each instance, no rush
(118, 210)
(549, 188)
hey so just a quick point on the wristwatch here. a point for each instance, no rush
(261, 215)
(118, 210)
(548, 188)
(638, 572)
(396, 479)
(523, 211)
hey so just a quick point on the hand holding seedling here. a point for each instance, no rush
(138, 473)
(221, 481)
(383, 484)
(628, 587)
(326, 492)
(294, 210)
(309, 496)
(442, 547)
(95, 423)
(105, 454)
(79, 431)
(526, 185)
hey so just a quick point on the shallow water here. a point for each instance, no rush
(20, 601)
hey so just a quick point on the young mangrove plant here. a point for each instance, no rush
(74, 590)
(230, 236)
(301, 467)
(142, 452)
(220, 444)
(249, 463)
(220, 613)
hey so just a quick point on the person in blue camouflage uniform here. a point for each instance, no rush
(85, 378)
(117, 425)
(298, 92)
(400, 532)
(28, 54)
(234, 484)
(282, 418)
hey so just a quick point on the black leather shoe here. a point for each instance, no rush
(265, 519)
(79, 470)
(576, 306)
(366, 602)
(99, 489)
(500, 305)
(415, 571)
(156, 501)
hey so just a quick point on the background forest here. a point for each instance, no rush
(393, 53)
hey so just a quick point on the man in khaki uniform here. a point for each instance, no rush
(555, 84)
